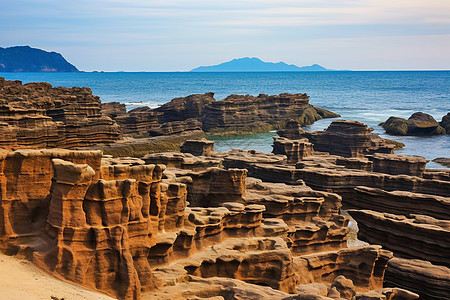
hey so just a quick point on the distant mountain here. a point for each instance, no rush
(27, 59)
(253, 64)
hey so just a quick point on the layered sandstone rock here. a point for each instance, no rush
(295, 150)
(198, 148)
(36, 115)
(239, 112)
(343, 181)
(129, 226)
(292, 130)
(180, 109)
(182, 161)
(398, 164)
(417, 124)
(113, 109)
(363, 265)
(417, 236)
(215, 186)
(265, 261)
(312, 216)
(348, 139)
(138, 121)
(176, 127)
(25, 184)
(428, 280)
(216, 288)
(400, 202)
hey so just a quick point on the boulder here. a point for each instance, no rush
(418, 123)
(445, 123)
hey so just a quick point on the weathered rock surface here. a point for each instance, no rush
(25, 184)
(312, 216)
(417, 124)
(348, 139)
(417, 236)
(198, 148)
(428, 280)
(265, 261)
(215, 186)
(134, 228)
(236, 113)
(215, 288)
(388, 293)
(113, 109)
(398, 164)
(183, 108)
(363, 265)
(245, 112)
(138, 121)
(343, 181)
(37, 115)
(443, 161)
(445, 123)
(292, 130)
(176, 127)
(182, 161)
(400, 202)
(295, 150)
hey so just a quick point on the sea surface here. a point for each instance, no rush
(367, 96)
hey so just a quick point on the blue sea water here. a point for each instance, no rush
(367, 96)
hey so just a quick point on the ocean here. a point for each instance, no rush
(367, 96)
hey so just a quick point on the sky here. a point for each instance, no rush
(179, 35)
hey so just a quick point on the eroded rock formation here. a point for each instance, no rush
(176, 225)
(37, 115)
(238, 112)
(348, 139)
(428, 280)
(128, 226)
(417, 236)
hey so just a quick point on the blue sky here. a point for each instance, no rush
(178, 35)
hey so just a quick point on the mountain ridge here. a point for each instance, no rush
(28, 59)
(254, 64)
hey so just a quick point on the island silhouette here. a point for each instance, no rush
(254, 64)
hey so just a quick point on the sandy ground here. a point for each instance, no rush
(20, 279)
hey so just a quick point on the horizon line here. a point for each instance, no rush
(327, 71)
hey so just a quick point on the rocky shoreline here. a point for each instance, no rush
(201, 224)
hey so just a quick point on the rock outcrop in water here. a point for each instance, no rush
(238, 112)
(234, 114)
(37, 115)
(445, 123)
(419, 123)
(347, 139)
